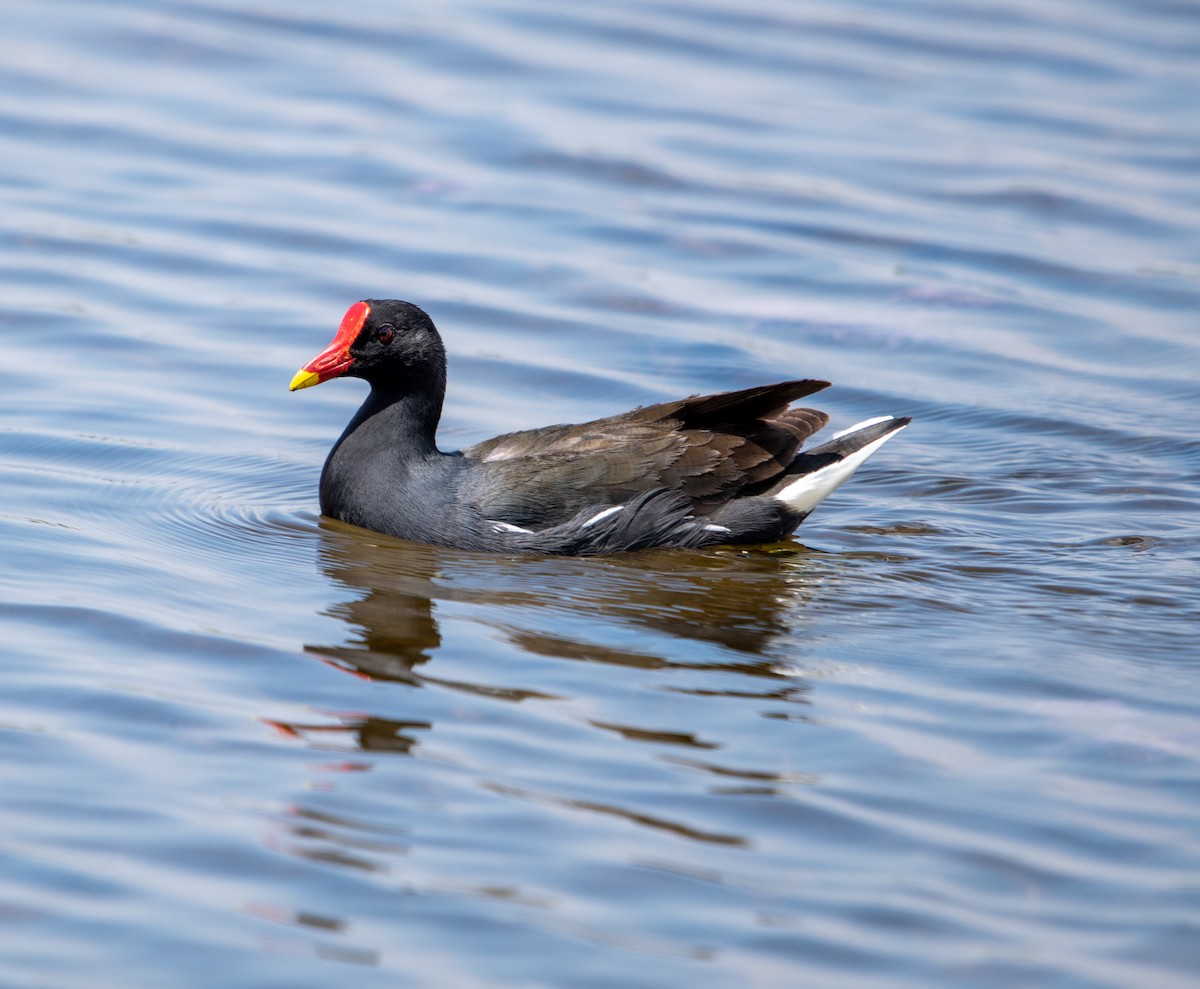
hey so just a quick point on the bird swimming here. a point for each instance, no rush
(714, 469)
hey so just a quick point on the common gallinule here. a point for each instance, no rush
(704, 470)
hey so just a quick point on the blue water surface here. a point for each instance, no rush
(950, 736)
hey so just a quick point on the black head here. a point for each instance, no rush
(387, 342)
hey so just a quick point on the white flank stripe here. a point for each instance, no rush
(506, 527)
(713, 527)
(602, 515)
(807, 492)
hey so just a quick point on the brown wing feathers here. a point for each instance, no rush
(753, 432)
(725, 408)
(710, 447)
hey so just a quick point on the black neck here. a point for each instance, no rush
(408, 418)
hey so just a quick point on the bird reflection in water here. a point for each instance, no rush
(743, 601)
(712, 624)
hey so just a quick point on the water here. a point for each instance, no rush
(949, 737)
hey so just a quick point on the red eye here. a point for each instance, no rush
(385, 333)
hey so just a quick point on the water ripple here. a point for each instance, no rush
(857, 758)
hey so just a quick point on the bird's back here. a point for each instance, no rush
(710, 449)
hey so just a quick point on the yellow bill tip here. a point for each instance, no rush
(304, 379)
